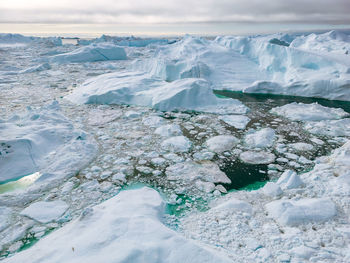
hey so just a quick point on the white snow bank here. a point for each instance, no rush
(126, 228)
(42, 141)
(45, 212)
(261, 139)
(306, 210)
(221, 143)
(140, 89)
(91, 53)
(309, 112)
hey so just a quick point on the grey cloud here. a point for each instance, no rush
(181, 11)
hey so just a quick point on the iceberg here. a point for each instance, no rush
(138, 88)
(125, 228)
(91, 53)
(42, 141)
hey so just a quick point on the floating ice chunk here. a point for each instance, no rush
(207, 187)
(289, 180)
(272, 189)
(303, 252)
(177, 144)
(301, 146)
(253, 157)
(203, 155)
(334, 128)
(309, 112)
(45, 212)
(153, 121)
(191, 171)
(168, 130)
(235, 205)
(263, 138)
(237, 121)
(131, 114)
(221, 143)
(91, 53)
(42, 67)
(5, 221)
(104, 233)
(306, 210)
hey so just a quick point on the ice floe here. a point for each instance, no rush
(221, 143)
(309, 112)
(263, 138)
(45, 212)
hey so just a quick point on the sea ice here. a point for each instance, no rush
(237, 121)
(178, 144)
(221, 143)
(191, 171)
(309, 112)
(263, 138)
(253, 157)
(45, 212)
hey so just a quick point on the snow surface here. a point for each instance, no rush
(126, 228)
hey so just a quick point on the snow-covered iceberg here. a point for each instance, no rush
(295, 69)
(126, 228)
(91, 53)
(140, 89)
(42, 141)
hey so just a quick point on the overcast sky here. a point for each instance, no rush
(60, 12)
